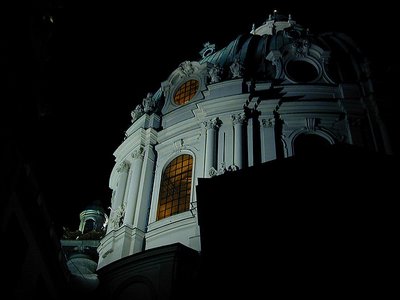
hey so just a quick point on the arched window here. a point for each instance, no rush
(176, 185)
(309, 144)
(89, 225)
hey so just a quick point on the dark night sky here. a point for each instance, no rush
(105, 62)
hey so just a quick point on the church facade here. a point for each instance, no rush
(276, 92)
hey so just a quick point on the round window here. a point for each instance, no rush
(186, 92)
(301, 71)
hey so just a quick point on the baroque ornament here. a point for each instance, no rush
(215, 74)
(187, 68)
(301, 47)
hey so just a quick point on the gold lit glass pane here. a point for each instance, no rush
(186, 92)
(176, 183)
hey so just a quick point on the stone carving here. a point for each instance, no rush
(311, 123)
(207, 50)
(236, 68)
(325, 57)
(137, 113)
(215, 74)
(253, 29)
(212, 172)
(139, 153)
(187, 68)
(165, 88)
(122, 167)
(148, 103)
(301, 47)
(276, 62)
(232, 168)
(267, 123)
(222, 170)
(239, 119)
(117, 217)
(179, 145)
(275, 58)
(214, 123)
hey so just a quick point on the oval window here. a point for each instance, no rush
(186, 92)
(301, 71)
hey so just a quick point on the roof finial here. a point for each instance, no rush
(275, 11)
(207, 50)
(290, 17)
(253, 28)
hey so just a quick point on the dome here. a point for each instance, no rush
(283, 50)
(95, 206)
(273, 93)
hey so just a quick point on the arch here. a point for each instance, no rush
(309, 144)
(90, 225)
(175, 187)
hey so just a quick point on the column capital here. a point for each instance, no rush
(138, 153)
(239, 118)
(124, 166)
(213, 123)
(268, 122)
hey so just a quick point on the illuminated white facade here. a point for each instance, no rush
(261, 98)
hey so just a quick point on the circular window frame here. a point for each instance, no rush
(308, 60)
(179, 86)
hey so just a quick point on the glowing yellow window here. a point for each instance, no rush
(176, 185)
(186, 92)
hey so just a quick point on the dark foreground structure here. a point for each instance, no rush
(315, 225)
(318, 225)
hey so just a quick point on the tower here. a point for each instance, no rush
(276, 92)
(80, 248)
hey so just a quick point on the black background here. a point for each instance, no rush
(104, 58)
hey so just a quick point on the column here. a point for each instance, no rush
(117, 205)
(268, 147)
(238, 121)
(211, 144)
(144, 196)
(136, 171)
(250, 141)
